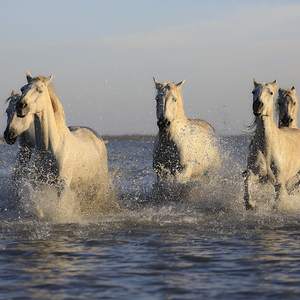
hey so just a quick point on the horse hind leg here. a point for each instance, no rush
(249, 203)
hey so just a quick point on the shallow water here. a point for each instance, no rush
(205, 246)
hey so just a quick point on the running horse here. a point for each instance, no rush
(273, 155)
(75, 159)
(184, 149)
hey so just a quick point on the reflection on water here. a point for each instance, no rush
(205, 246)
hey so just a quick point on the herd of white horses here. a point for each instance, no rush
(184, 150)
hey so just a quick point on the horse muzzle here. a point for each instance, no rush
(163, 124)
(286, 122)
(9, 137)
(257, 108)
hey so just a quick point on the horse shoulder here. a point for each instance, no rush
(290, 133)
(194, 144)
(290, 142)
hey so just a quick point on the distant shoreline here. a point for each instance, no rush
(141, 137)
(128, 137)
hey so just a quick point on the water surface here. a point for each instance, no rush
(204, 246)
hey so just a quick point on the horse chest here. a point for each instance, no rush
(46, 167)
(166, 155)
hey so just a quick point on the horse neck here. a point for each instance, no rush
(178, 125)
(266, 129)
(27, 138)
(47, 134)
(180, 112)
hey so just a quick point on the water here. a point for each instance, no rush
(203, 247)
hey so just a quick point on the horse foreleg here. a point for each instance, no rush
(279, 189)
(249, 204)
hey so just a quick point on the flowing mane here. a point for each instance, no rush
(252, 127)
(56, 105)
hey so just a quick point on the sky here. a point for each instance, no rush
(103, 56)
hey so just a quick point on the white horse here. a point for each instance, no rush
(26, 145)
(76, 159)
(287, 108)
(184, 149)
(274, 153)
(23, 128)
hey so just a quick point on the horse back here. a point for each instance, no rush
(84, 152)
(203, 125)
(75, 128)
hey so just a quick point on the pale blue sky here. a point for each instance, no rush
(103, 55)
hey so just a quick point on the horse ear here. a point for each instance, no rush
(274, 83)
(28, 76)
(179, 85)
(255, 82)
(293, 89)
(48, 79)
(157, 84)
(280, 90)
(13, 93)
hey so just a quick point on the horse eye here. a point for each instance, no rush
(39, 90)
(253, 92)
(174, 99)
(156, 98)
(271, 93)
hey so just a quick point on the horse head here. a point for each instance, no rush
(263, 96)
(15, 126)
(287, 107)
(33, 95)
(168, 103)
